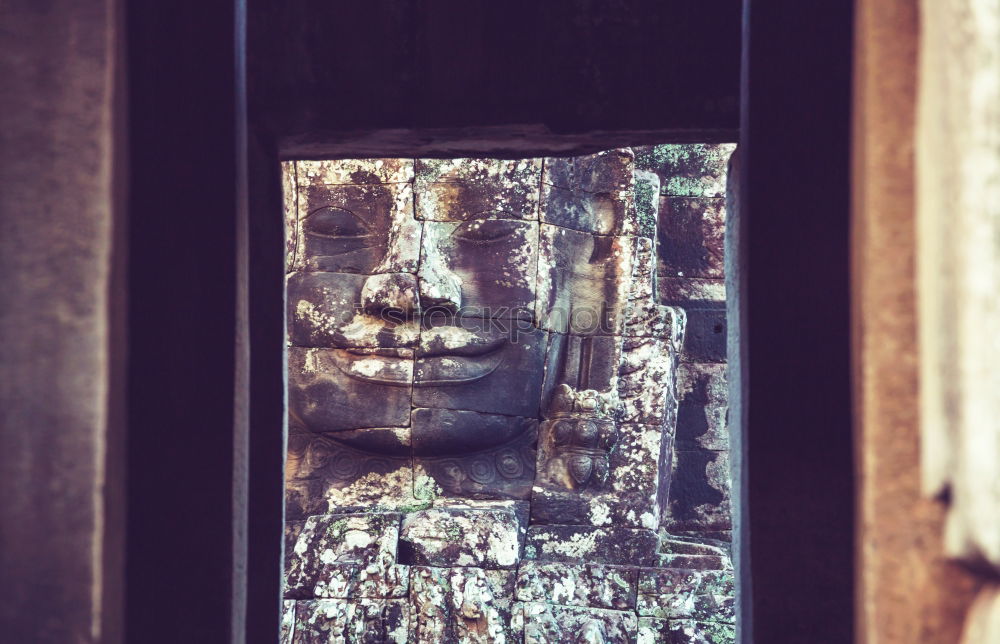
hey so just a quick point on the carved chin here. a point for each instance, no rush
(454, 370)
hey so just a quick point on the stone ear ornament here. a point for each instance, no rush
(583, 431)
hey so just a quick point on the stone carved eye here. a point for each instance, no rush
(335, 222)
(484, 231)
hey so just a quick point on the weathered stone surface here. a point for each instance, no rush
(484, 538)
(481, 367)
(577, 585)
(583, 281)
(705, 332)
(484, 267)
(354, 171)
(545, 623)
(287, 621)
(694, 562)
(686, 594)
(290, 198)
(681, 290)
(702, 410)
(645, 316)
(691, 237)
(325, 475)
(358, 228)
(463, 189)
(583, 363)
(627, 494)
(447, 432)
(469, 454)
(700, 492)
(329, 310)
(363, 621)
(335, 389)
(646, 380)
(592, 194)
(573, 544)
(690, 170)
(347, 556)
(684, 631)
(647, 202)
(452, 605)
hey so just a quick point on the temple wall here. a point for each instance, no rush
(570, 482)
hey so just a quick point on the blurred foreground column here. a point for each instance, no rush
(908, 591)
(60, 561)
(958, 261)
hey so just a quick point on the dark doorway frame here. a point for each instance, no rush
(205, 370)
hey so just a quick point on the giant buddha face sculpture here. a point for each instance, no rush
(442, 312)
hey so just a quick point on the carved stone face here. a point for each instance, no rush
(424, 299)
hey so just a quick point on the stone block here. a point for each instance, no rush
(684, 631)
(584, 584)
(347, 556)
(690, 170)
(583, 281)
(645, 316)
(464, 189)
(290, 199)
(362, 621)
(546, 623)
(287, 621)
(687, 594)
(484, 268)
(357, 228)
(627, 494)
(581, 362)
(325, 474)
(574, 543)
(488, 538)
(702, 409)
(326, 310)
(331, 390)
(467, 605)
(705, 332)
(690, 237)
(646, 380)
(700, 492)
(481, 367)
(681, 290)
(353, 171)
(593, 194)
(469, 454)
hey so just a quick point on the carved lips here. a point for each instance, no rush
(446, 355)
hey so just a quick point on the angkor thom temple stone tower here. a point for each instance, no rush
(482, 396)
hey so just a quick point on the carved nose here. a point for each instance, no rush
(439, 287)
(391, 295)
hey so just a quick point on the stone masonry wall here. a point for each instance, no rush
(449, 484)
